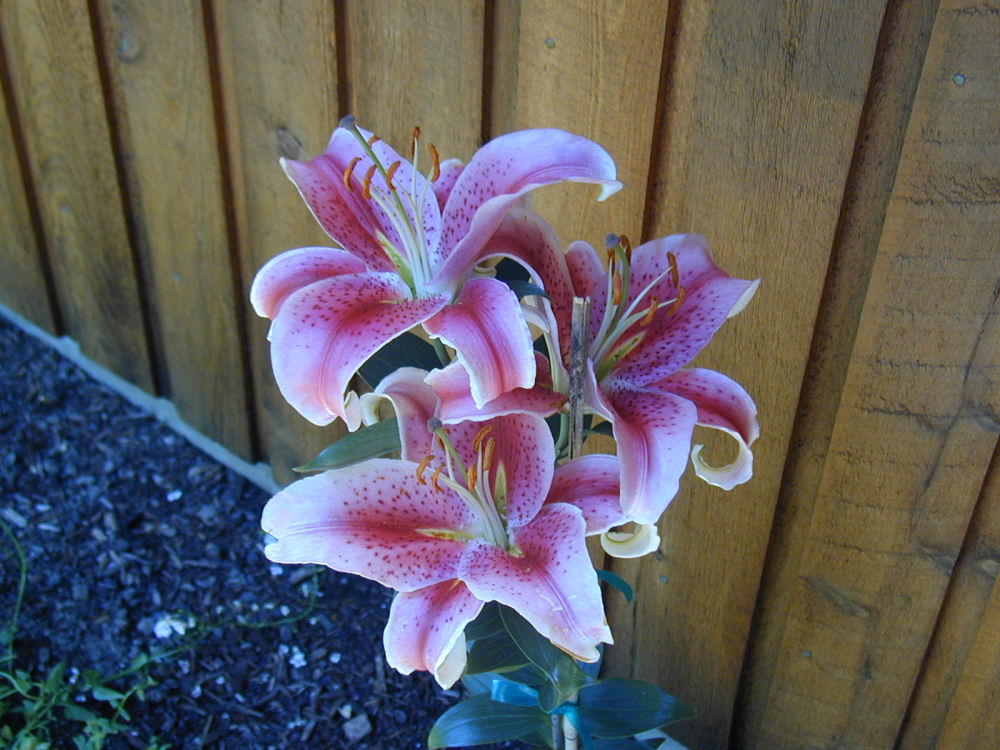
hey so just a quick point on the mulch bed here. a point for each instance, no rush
(127, 529)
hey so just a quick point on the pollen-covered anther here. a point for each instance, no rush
(373, 140)
(616, 292)
(471, 476)
(678, 301)
(675, 275)
(349, 171)
(491, 445)
(477, 441)
(436, 168)
(422, 467)
(626, 246)
(434, 479)
(389, 173)
(413, 141)
(366, 186)
(648, 317)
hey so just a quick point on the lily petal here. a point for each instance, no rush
(292, 270)
(372, 519)
(592, 484)
(638, 542)
(491, 338)
(653, 429)
(414, 403)
(426, 630)
(674, 337)
(551, 583)
(499, 174)
(450, 170)
(454, 388)
(724, 405)
(325, 331)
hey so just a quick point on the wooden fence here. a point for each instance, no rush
(846, 152)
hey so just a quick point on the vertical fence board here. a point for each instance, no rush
(594, 72)
(278, 70)
(917, 425)
(759, 124)
(902, 46)
(957, 686)
(159, 69)
(22, 285)
(56, 86)
(418, 63)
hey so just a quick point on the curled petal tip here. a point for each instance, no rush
(726, 477)
(608, 189)
(744, 299)
(642, 540)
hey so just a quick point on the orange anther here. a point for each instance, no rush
(648, 317)
(437, 162)
(349, 171)
(491, 445)
(367, 184)
(675, 276)
(477, 441)
(626, 245)
(373, 140)
(434, 479)
(472, 476)
(388, 175)
(616, 297)
(422, 467)
(413, 141)
(678, 301)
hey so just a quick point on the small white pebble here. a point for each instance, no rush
(167, 625)
(276, 570)
(335, 657)
(345, 711)
(297, 659)
(220, 680)
(174, 495)
(196, 691)
(285, 610)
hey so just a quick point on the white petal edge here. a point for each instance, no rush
(628, 544)
(744, 299)
(726, 477)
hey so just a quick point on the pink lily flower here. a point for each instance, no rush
(651, 311)
(411, 245)
(474, 512)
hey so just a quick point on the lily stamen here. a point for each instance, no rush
(366, 186)
(648, 317)
(413, 142)
(472, 476)
(488, 454)
(350, 171)
(422, 467)
(477, 442)
(436, 162)
(389, 173)
(434, 479)
(678, 301)
(373, 140)
(675, 275)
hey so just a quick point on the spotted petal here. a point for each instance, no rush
(325, 331)
(498, 175)
(426, 630)
(550, 582)
(372, 519)
(592, 484)
(653, 429)
(292, 270)
(491, 338)
(723, 405)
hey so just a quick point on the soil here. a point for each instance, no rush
(133, 535)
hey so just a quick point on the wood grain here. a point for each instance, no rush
(22, 286)
(760, 117)
(595, 72)
(57, 90)
(917, 424)
(159, 69)
(279, 80)
(417, 63)
(902, 45)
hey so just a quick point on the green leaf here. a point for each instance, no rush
(369, 442)
(54, 678)
(525, 289)
(563, 673)
(618, 583)
(495, 653)
(407, 350)
(78, 713)
(104, 693)
(486, 624)
(479, 720)
(622, 708)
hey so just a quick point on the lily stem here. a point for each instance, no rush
(577, 373)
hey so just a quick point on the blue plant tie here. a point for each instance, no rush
(516, 694)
